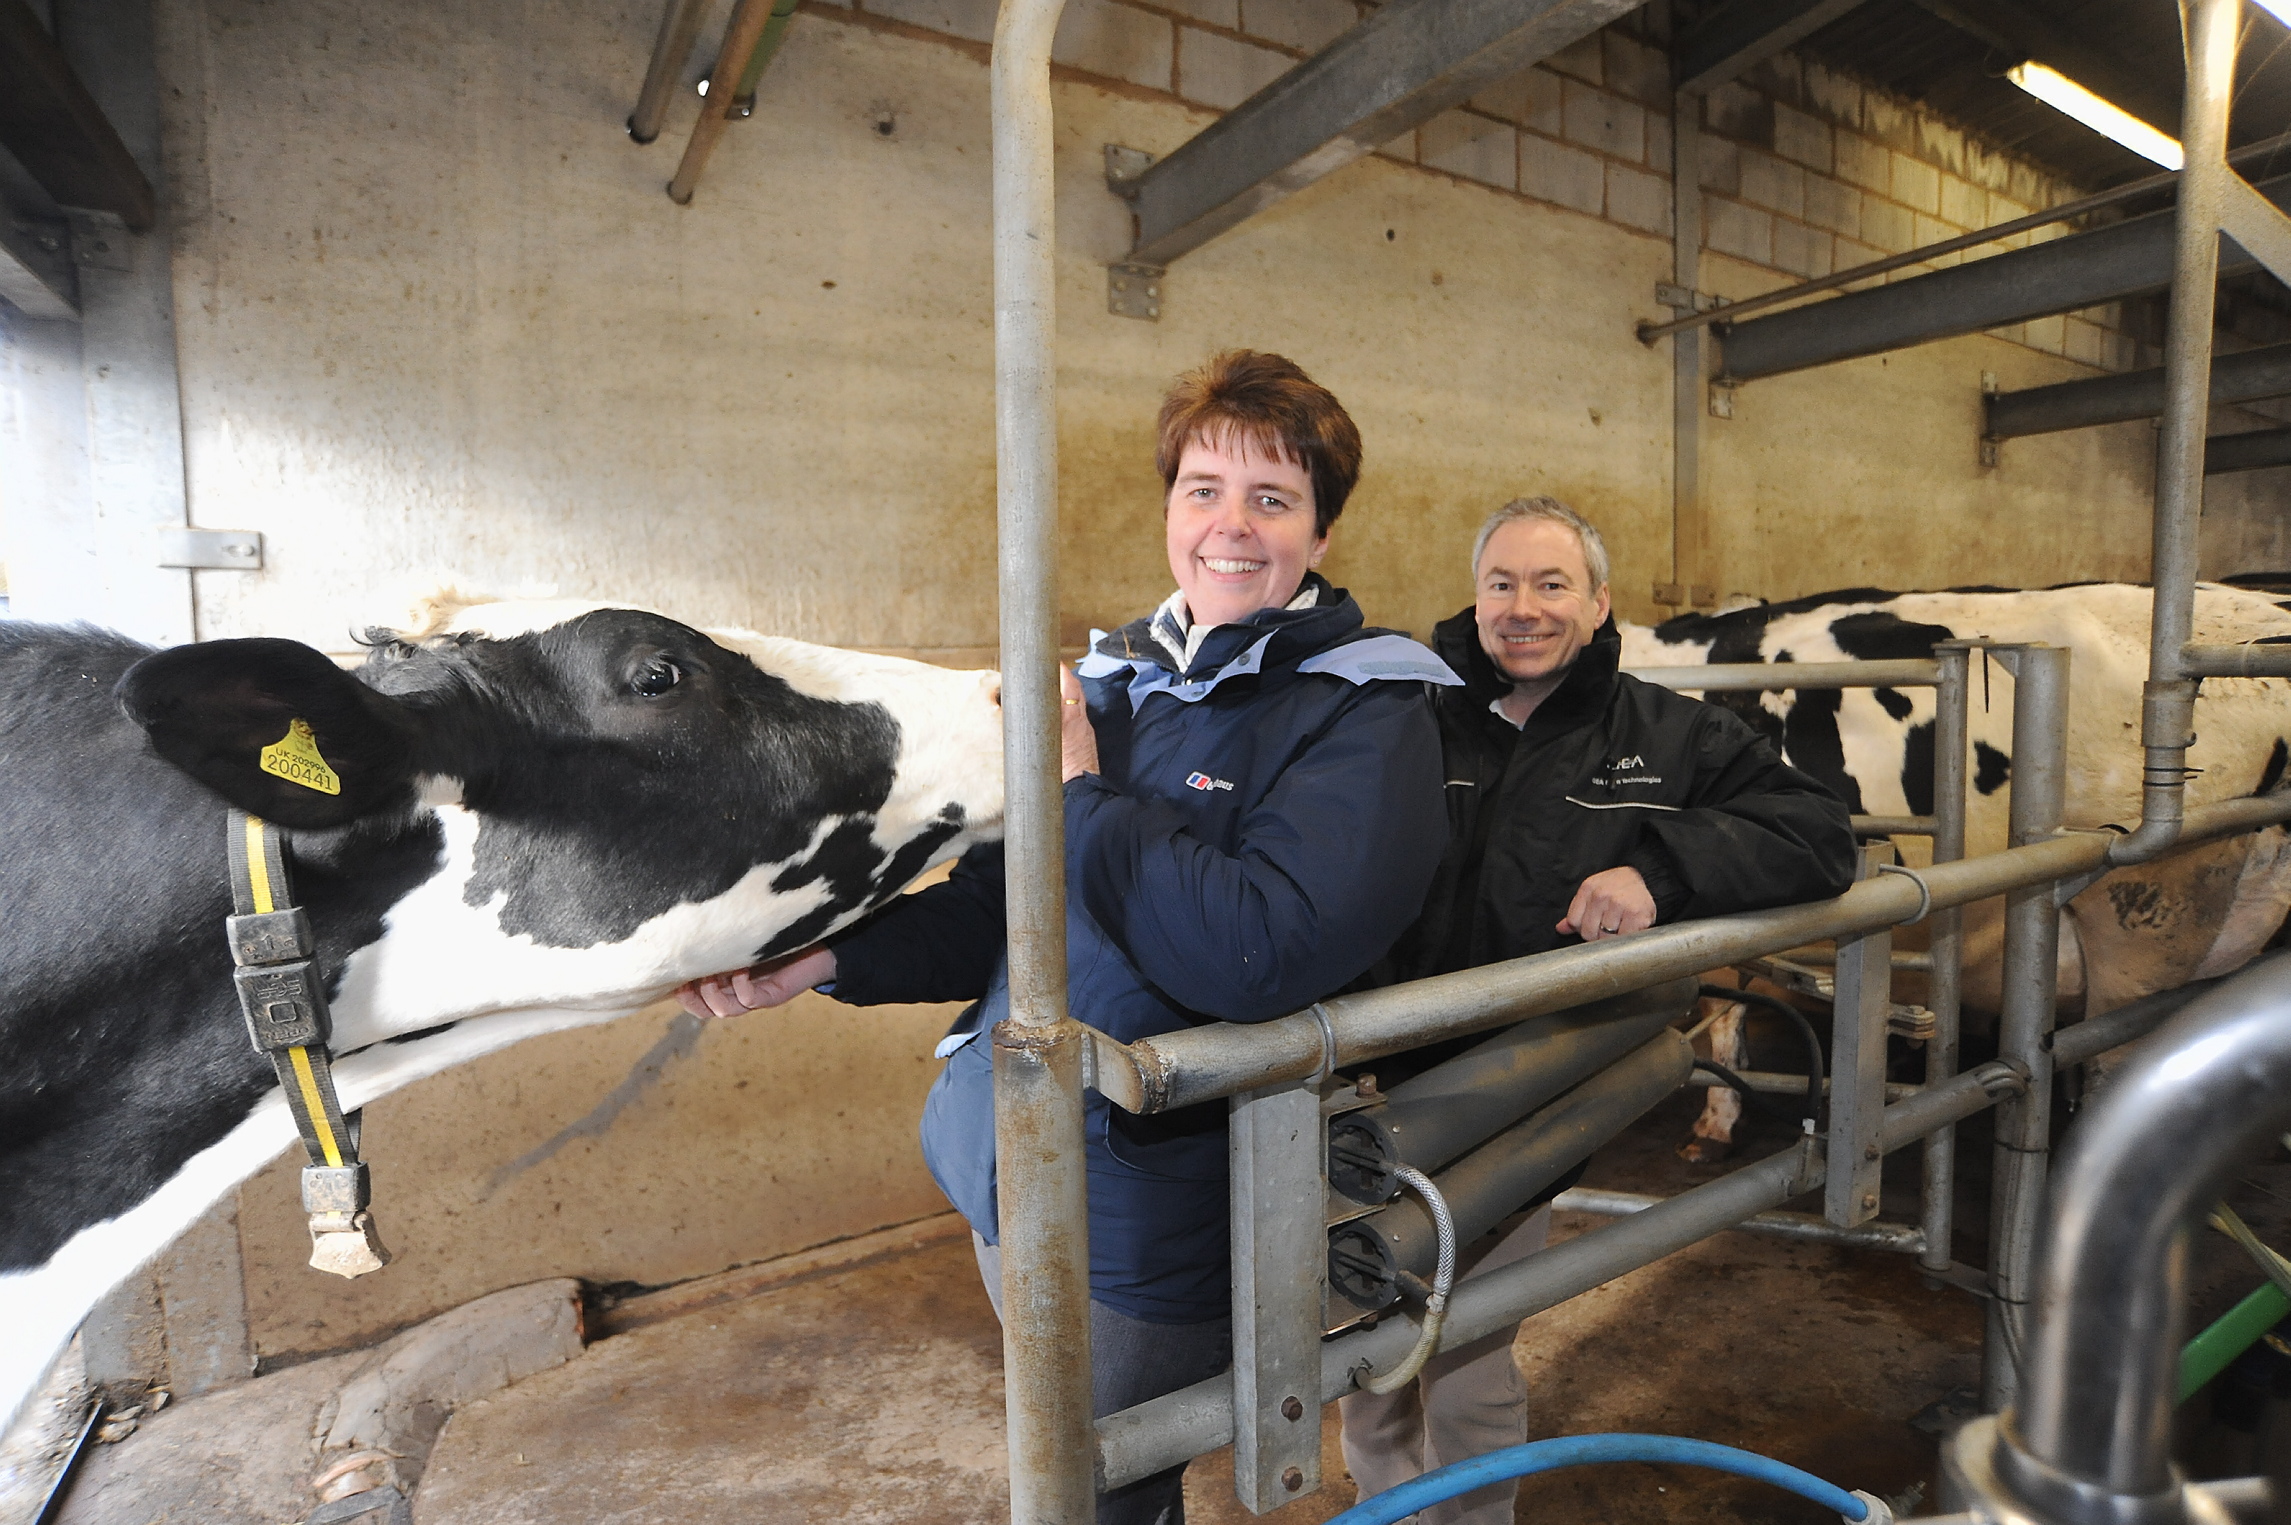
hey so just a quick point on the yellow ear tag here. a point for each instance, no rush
(294, 757)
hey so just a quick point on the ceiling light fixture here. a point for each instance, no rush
(2065, 95)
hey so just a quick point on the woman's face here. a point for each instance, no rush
(1240, 531)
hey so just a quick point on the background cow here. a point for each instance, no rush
(2140, 929)
(547, 814)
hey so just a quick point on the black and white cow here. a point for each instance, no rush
(547, 815)
(2138, 930)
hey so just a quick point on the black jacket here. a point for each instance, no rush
(1608, 771)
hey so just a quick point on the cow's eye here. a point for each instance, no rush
(656, 677)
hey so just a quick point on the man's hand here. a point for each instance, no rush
(774, 983)
(1077, 742)
(1608, 904)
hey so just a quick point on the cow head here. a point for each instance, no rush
(617, 801)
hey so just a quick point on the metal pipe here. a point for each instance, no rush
(1944, 951)
(1162, 1432)
(1782, 1083)
(679, 29)
(1203, 1063)
(767, 46)
(1903, 1238)
(2256, 451)
(2127, 1023)
(718, 107)
(2090, 1437)
(2242, 377)
(2253, 661)
(1752, 677)
(1650, 332)
(1893, 826)
(2030, 1000)
(2168, 701)
(1367, 1255)
(1039, 1049)
(1437, 1116)
(1176, 1427)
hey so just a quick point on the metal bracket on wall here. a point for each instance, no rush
(1679, 299)
(1988, 445)
(1721, 400)
(1123, 167)
(211, 550)
(99, 240)
(1134, 291)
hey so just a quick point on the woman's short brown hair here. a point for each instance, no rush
(1271, 407)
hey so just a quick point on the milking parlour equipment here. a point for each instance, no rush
(1349, 1202)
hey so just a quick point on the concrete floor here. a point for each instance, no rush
(874, 1392)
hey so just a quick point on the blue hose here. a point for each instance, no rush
(1579, 1450)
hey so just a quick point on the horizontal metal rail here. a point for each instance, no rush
(1895, 825)
(1205, 1063)
(1783, 1083)
(2255, 661)
(1164, 1431)
(1900, 1238)
(1751, 677)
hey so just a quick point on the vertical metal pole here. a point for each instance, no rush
(1042, 1186)
(1687, 347)
(1946, 943)
(1280, 1256)
(2167, 710)
(1863, 1004)
(749, 18)
(679, 29)
(2032, 952)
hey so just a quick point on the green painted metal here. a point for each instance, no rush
(2234, 1332)
(766, 46)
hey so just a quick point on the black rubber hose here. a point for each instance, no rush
(1741, 1087)
(1805, 1031)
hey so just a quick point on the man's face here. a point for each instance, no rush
(1240, 531)
(1537, 608)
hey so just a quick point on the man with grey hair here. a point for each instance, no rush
(1582, 804)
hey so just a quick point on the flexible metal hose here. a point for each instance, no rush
(1443, 1281)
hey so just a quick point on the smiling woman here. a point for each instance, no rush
(1253, 811)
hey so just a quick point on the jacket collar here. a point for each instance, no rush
(1581, 696)
(1272, 637)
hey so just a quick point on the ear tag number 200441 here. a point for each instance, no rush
(295, 758)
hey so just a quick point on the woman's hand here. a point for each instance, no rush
(772, 983)
(1609, 904)
(1077, 743)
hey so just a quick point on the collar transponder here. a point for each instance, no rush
(284, 1002)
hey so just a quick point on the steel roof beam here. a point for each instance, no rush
(2125, 259)
(2246, 452)
(56, 129)
(2245, 377)
(1747, 33)
(1400, 67)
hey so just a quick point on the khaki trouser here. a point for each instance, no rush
(1466, 1402)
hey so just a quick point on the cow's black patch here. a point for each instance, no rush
(604, 806)
(1917, 768)
(853, 888)
(1990, 768)
(1736, 635)
(1893, 701)
(1876, 636)
(2272, 774)
(1811, 741)
(419, 1033)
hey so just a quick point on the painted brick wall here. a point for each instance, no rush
(1805, 170)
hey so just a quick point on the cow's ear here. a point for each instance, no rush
(275, 728)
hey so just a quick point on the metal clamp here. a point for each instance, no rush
(1328, 1045)
(1924, 891)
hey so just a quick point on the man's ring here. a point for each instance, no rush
(1617, 927)
(1071, 701)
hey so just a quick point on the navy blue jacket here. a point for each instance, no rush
(1263, 826)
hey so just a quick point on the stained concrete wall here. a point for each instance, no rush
(437, 320)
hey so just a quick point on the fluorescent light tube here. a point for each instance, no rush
(2065, 95)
